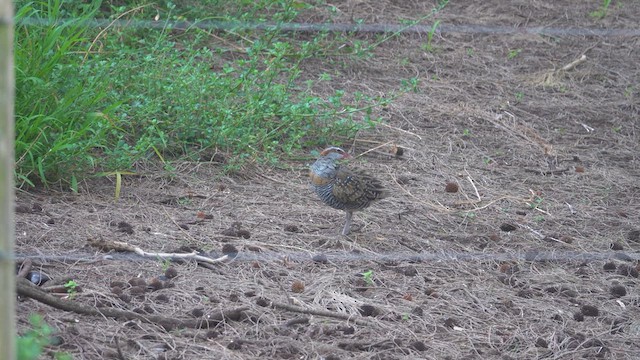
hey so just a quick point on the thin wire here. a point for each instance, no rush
(539, 256)
(366, 28)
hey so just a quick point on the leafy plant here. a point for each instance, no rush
(537, 201)
(513, 53)
(519, 96)
(429, 46)
(367, 276)
(160, 93)
(59, 110)
(72, 288)
(30, 345)
(601, 12)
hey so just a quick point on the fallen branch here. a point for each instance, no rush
(26, 289)
(317, 312)
(108, 245)
(574, 63)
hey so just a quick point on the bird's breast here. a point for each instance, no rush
(318, 180)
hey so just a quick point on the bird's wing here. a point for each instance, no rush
(356, 189)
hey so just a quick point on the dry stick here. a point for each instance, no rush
(25, 268)
(401, 130)
(108, 245)
(573, 64)
(375, 148)
(326, 313)
(26, 289)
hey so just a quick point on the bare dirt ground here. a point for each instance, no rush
(535, 256)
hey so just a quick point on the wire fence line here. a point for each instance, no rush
(440, 256)
(361, 28)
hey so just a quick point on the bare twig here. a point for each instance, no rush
(108, 245)
(318, 312)
(573, 64)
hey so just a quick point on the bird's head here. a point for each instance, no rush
(334, 153)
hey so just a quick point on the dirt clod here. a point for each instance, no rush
(368, 310)
(578, 316)
(291, 228)
(320, 258)
(451, 187)
(627, 270)
(542, 343)
(618, 290)
(609, 266)
(418, 345)
(125, 227)
(297, 286)
(506, 227)
(633, 235)
(171, 272)
(589, 310)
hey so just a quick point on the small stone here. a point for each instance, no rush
(610, 266)
(578, 317)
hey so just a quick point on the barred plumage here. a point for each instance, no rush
(343, 188)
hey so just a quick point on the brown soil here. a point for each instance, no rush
(512, 232)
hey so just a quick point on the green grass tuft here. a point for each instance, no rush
(97, 100)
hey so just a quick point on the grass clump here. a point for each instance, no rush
(58, 96)
(102, 99)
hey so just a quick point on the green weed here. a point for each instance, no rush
(428, 47)
(99, 101)
(513, 53)
(601, 12)
(367, 276)
(72, 288)
(30, 346)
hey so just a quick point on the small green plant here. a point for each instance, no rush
(405, 317)
(84, 108)
(428, 47)
(601, 12)
(166, 263)
(31, 344)
(470, 215)
(536, 203)
(628, 92)
(470, 52)
(72, 288)
(538, 218)
(513, 53)
(367, 276)
(519, 96)
(466, 132)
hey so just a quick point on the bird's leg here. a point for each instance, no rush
(347, 224)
